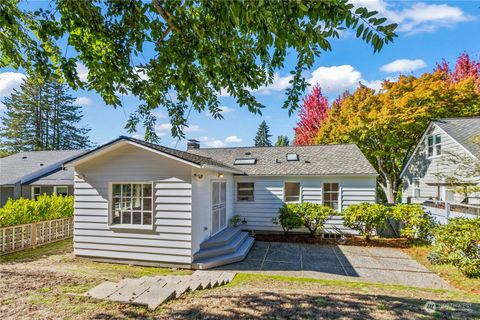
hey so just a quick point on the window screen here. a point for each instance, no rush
(292, 191)
(245, 191)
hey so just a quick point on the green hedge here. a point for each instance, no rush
(23, 211)
(458, 243)
(310, 215)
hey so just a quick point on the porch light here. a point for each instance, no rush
(220, 175)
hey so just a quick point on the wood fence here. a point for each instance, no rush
(25, 236)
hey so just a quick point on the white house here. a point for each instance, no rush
(137, 202)
(437, 156)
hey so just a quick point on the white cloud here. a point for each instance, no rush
(82, 71)
(374, 84)
(233, 139)
(192, 128)
(83, 101)
(163, 127)
(215, 143)
(335, 79)
(10, 81)
(279, 84)
(416, 17)
(403, 65)
(226, 109)
(159, 115)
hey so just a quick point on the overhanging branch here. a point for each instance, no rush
(167, 17)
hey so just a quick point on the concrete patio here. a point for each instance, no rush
(351, 263)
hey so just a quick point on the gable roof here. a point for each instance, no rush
(24, 167)
(193, 159)
(334, 159)
(466, 131)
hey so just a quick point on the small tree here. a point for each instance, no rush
(313, 216)
(282, 141)
(262, 139)
(365, 218)
(416, 223)
(288, 218)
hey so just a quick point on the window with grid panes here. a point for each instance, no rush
(132, 203)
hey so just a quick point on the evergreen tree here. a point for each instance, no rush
(282, 141)
(262, 139)
(41, 115)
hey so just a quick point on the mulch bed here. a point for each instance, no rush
(348, 241)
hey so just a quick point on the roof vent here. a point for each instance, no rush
(292, 157)
(277, 161)
(24, 157)
(248, 153)
(245, 161)
(193, 144)
(306, 161)
(41, 164)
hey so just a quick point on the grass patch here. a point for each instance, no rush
(449, 272)
(55, 248)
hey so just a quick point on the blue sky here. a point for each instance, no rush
(428, 31)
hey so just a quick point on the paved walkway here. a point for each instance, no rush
(352, 263)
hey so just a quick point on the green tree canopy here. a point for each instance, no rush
(262, 139)
(198, 48)
(42, 116)
(282, 141)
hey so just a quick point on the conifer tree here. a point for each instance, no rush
(262, 139)
(41, 115)
(282, 141)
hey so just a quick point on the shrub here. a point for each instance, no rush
(288, 217)
(458, 243)
(416, 223)
(313, 215)
(235, 220)
(23, 211)
(365, 217)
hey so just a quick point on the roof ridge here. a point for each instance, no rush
(290, 146)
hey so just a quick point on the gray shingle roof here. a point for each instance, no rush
(337, 159)
(25, 166)
(187, 156)
(465, 131)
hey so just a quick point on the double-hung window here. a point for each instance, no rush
(434, 145)
(60, 190)
(245, 191)
(291, 192)
(331, 193)
(36, 192)
(416, 188)
(132, 203)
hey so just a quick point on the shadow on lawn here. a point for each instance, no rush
(267, 304)
(56, 248)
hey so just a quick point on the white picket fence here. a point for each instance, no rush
(25, 236)
(443, 211)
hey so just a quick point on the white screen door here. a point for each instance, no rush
(219, 209)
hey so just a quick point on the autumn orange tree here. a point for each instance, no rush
(386, 125)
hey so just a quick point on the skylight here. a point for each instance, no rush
(292, 157)
(245, 161)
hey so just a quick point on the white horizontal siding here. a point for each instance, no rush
(269, 198)
(170, 240)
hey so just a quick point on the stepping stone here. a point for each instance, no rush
(131, 290)
(182, 287)
(156, 295)
(104, 290)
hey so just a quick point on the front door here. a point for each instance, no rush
(219, 208)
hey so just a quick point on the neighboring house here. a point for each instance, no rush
(443, 141)
(29, 174)
(137, 202)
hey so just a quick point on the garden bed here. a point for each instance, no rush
(348, 241)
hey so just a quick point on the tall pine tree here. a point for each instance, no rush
(282, 141)
(41, 115)
(262, 139)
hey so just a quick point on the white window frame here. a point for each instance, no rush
(56, 187)
(131, 225)
(415, 188)
(237, 189)
(299, 192)
(435, 146)
(35, 195)
(339, 198)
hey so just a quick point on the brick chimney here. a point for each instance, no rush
(193, 144)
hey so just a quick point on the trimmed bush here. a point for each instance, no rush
(313, 216)
(23, 211)
(458, 243)
(415, 222)
(288, 217)
(365, 217)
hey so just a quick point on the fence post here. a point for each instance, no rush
(34, 235)
(447, 209)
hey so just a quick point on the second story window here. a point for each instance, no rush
(434, 145)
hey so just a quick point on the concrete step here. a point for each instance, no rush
(236, 256)
(222, 238)
(230, 247)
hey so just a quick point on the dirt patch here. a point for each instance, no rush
(348, 241)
